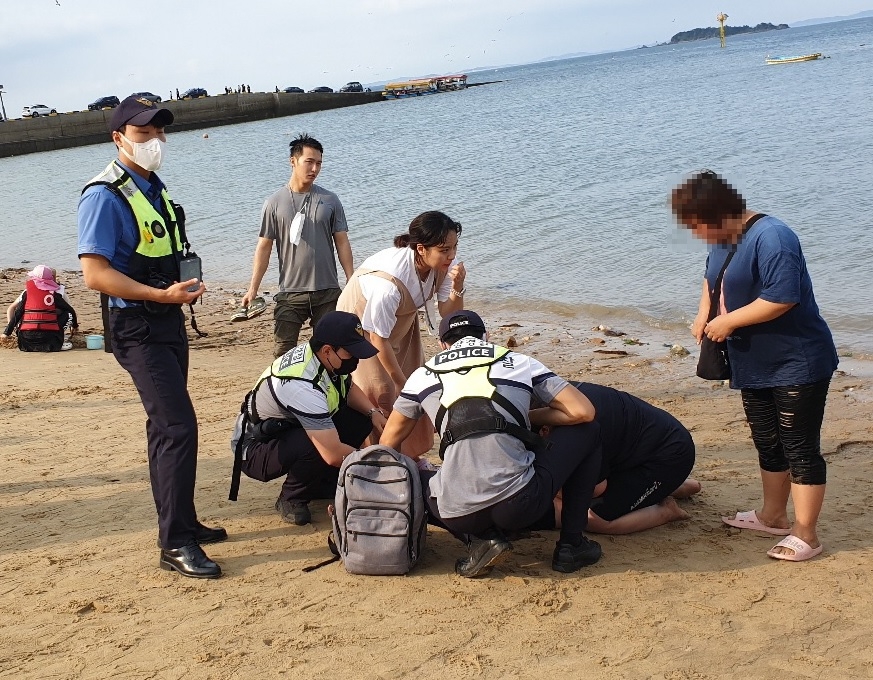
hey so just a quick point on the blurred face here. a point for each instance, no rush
(715, 234)
(306, 166)
(441, 256)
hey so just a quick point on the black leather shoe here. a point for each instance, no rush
(568, 558)
(484, 554)
(204, 534)
(189, 560)
(295, 512)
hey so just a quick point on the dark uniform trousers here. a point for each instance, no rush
(292, 453)
(571, 463)
(153, 348)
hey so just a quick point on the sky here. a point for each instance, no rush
(67, 53)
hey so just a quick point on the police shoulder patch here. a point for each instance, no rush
(295, 356)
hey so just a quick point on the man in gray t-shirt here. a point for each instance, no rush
(308, 283)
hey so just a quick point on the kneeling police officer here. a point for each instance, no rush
(304, 416)
(496, 473)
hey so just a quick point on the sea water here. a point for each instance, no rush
(559, 174)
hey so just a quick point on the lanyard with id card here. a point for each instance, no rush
(427, 305)
(299, 220)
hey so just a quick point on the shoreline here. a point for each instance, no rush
(641, 335)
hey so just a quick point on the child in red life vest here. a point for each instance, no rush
(41, 315)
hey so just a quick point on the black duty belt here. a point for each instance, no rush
(137, 310)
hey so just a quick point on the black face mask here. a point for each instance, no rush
(346, 366)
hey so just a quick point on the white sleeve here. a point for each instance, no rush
(383, 301)
(307, 404)
(546, 384)
(445, 289)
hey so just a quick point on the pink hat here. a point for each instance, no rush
(43, 278)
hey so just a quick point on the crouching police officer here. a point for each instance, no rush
(496, 473)
(305, 415)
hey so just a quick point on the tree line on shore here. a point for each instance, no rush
(713, 32)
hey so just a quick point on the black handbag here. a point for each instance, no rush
(713, 362)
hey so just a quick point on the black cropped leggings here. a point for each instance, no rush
(786, 429)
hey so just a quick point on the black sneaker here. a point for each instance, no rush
(484, 554)
(295, 512)
(568, 558)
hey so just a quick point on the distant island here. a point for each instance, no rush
(712, 32)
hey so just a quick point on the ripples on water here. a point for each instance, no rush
(560, 174)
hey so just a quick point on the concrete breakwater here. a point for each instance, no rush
(79, 128)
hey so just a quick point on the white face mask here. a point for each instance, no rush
(147, 155)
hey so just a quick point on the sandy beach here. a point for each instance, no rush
(81, 595)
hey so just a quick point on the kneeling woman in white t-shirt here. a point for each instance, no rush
(386, 292)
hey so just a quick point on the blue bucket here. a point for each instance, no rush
(94, 341)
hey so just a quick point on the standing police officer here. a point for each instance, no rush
(130, 249)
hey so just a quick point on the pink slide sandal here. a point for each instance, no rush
(802, 550)
(749, 520)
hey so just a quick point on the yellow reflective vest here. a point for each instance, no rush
(155, 262)
(468, 397)
(464, 372)
(301, 363)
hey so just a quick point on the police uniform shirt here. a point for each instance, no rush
(481, 470)
(107, 226)
(297, 400)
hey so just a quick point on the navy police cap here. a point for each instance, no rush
(343, 329)
(139, 111)
(463, 317)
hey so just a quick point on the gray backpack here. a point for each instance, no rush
(379, 521)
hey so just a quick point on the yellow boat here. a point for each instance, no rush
(420, 86)
(409, 88)
(792, 60)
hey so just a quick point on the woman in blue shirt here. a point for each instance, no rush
(781, 352)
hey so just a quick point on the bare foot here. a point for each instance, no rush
(667, 510)
(687, 489)
(671, 511)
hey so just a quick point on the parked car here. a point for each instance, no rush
(353, 86)
(147, 95)
(321, 89)
(194, 93)
(104, 103)
(297, 90)
(36, 111)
